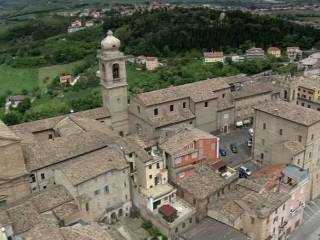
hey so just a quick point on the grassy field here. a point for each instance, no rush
(17, 79)
(47, 74)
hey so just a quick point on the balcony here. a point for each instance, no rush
(295, 211)
(282, 227)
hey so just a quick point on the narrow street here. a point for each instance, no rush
(310, 230)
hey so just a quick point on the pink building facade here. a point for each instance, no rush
(294, 181)
(182, 163)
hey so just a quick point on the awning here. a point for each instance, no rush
(167, 210)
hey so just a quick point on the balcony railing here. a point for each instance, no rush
(297, 209)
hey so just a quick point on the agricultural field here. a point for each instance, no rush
(17, 79)
(47, 74)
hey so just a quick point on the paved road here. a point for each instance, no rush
(240, 138)
(310, 230)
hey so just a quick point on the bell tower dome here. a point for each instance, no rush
(114, 82)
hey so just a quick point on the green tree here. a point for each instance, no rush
(12, 118)
(24, 105)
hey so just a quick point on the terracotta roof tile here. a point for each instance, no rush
(204, 181)
(84, 168)
(215, 54)
(197, 91)
(290, 111)
(182, 137)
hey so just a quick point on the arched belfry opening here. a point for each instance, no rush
(116, 71)
(285, 94)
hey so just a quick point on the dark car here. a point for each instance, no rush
(222, 152)
(244, 172)
(233, 148)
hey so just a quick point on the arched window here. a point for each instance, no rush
(293, 94)
(115, 71)
(103, 71)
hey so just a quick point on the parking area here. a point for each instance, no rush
(239, 137)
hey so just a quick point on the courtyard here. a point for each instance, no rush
(239, 137)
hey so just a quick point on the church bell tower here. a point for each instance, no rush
(114, 83)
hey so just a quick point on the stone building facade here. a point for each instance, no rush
(203, 184)
(292, 180)
(187, 148)
(196, 104)
(285, 131)
(100, 183)
(13, 172)
(252, 209)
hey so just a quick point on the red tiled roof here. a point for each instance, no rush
(167, 210)
(65, 78)
(272, 173)
(273, 49)
(17, 98)
(151, 58)
(213, 54)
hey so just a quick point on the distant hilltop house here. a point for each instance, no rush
(95, 14)
(68, 79)
(13, 101)
(212, 57)
(130, 58)
(68, 14)
(274, 51)
(75, 26)
(255, 53)
(237, 58)
(65, 79)
(85, 13)
(294, 54)
(152, 63)
(140, 60)
(89, 23)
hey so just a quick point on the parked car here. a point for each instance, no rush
(247, 121)
(233, 148)
(239, 124)
(244, 171)
(251, 132)
(249, 143)
(222, 152)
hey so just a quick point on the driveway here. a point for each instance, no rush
(240, 138)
